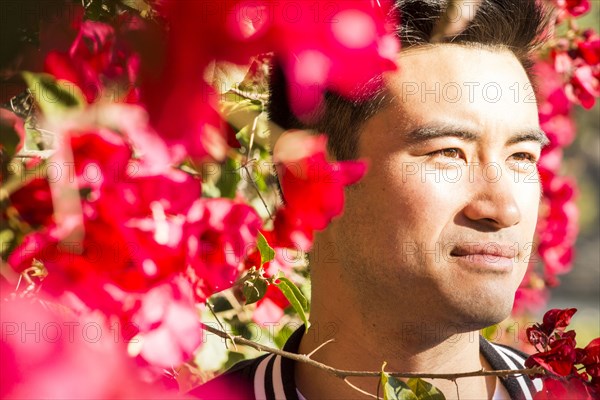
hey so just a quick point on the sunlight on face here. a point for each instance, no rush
(444, 220)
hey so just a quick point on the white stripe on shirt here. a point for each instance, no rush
(277, 379)
(537, 382)
(259, 379)
(512, 365)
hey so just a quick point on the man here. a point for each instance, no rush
(435, 239)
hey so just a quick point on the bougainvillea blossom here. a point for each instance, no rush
(312, 187)
(219, 235)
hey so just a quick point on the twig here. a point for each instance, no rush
(230, 337)
(253, 96)
(341, 373)
(359, 389)
(320, 347)
(252, 134)
(255, 186)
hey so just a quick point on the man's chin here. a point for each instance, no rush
(481, 313)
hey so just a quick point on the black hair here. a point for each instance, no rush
(515, 25)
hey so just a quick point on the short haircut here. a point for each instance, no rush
(514, 25)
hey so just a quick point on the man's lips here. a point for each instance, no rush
(490, 249)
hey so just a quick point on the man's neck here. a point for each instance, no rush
(363, 346)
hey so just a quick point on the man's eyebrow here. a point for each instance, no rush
(425, 133)
(530, 135)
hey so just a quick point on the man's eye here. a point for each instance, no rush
(449, 153)
(527, 157)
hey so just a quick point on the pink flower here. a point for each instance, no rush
(550, 92)
(560, 129)
(63, 356)
(220, 233)
(169, 324)
(319, 52)
(529, 299)
(551, 158)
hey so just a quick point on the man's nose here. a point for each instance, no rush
(493, 202)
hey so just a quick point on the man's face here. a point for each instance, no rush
(443, 222)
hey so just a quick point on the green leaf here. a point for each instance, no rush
(395, 389)
(229, 179)
(54, 97)
(425, 390)
(295, 297)
(266, 252)
(9, 139)
(254, 289)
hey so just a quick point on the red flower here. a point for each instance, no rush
(34, 202)
(313, 188)
(558, 226)
(558, 389)
(589, 47)
(585, 86)
(220, 233)
(100, 157)
(557, 319)
(145, 218)
(317, 52)
(574, 7)
(97, 54)
(590, 358)
(559, 359)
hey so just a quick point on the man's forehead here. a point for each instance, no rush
(480, 90)
(448, 63)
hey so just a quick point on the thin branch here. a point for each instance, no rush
(320, 347)
(343, 374)
(253, 96)
(230, 337)
(255, 186)
(252, 134)
(359, 389)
